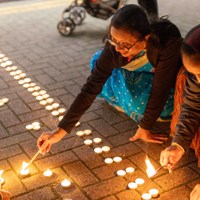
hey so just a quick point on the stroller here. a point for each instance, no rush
(76, 13)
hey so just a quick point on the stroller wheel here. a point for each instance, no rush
(77, 14)
(66, 27)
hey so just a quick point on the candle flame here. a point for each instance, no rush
(150, 169)
(1, 172)
(24, 166)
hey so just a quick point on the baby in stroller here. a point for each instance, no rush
(76, 13)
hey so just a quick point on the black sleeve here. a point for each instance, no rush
(189, 117)
(164, 78)
(108, 60)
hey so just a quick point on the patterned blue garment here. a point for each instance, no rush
(129, 87)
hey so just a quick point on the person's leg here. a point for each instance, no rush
(150, 6)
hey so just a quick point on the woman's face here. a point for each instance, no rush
(192, 64)
(125, 43)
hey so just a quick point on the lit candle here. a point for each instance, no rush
(5, 59)
(2, 55)
(5, 100)
(22, 75)
(30, 89)
(21, 82)
(108, 160)
(32, 84)
(66, 183)
(36, 123)
(8, 62)
(36, 88)
(87, 132)
(29, 127)
(45, 96)
(13, 73)
(117, 159)
(49, 100)
(42, 92)
(132, 185)
(35, 94)
(26, 85)
(36, 126)
(121, 173)
(80, 133)
(27, 80)
(61, 110)
(1, 179)
(105, 148)
(55, 105)
(55, 113)
(146, 196)
(139, 181)
(17, 77)
(49, 107)
(14, 68)
(47, 173)
(8, 69)
(98, 150)
(18, 72)
(43, 102)
(3, 64)
(88, 142)
(150, 168)
(130, 170)
(39, 98)
(97, 140)
(24, 172)
(154, 193)
(77, 124)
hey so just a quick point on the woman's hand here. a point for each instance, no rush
(5, 194)
(147, 136)
(46, 139)
(195, 194)
(170, 156)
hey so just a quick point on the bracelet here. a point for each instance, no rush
(179, 146)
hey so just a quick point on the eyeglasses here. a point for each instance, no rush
(122, 46)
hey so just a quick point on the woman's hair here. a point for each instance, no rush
(131, 18)
(191, 43)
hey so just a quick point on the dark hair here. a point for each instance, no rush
(132, 18)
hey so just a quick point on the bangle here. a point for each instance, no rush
(179, 146)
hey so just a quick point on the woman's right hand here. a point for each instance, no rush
(5, 194)
(46, 139)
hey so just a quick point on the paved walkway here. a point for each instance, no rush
(28, 37)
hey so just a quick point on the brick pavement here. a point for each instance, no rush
(28, 36)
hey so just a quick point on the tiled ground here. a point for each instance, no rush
(28, 36)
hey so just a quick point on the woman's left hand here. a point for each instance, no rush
(147, 136)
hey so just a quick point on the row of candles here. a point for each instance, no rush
(44, 99)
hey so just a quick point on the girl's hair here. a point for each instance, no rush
(191, 43)
(132, 18)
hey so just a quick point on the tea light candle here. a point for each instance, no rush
(36, 88)
(47, 173)
(35, 94)
(43, 102)
(139, 181)
(32, 84)
(88, 142)
(8, 69)
(98, 150)
(108, 160)
(66, 183)
(130, 170)
(39, 98)
(13, 73)
(5, 100)
(17, 77)
(30, 89)
(21, 82)
(87, 132)
(55, 105)
(36, 124)
(97, 140)
(117, 159)
(5, 59)
(105, 148)
(49, 107)
(77, 124)
(49, 100)
(8, 62)
(45, 96)
(36, 128)
(1, 103)
(14, 68)
(154, 193)
(55, 113)
(42, 92)
(24, 172)
(22, 75)
(80, 133)
(26, 85)
(61, 110)
(121, 173)
(3, 64)
(2, 55)
(27, 80)
(18, 72)
(146, 196)
(132, 185)
(29, 127)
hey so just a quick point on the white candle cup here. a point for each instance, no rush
(21, 82)
(106, 149)
(18, 72)
(55, 113)
(36, 128)
(2, 55)
(22, 75)
(80, 133)
(108, 160)
(45, 96)
(36, 124)
(26, 85)
(49, 100)
(42, 92)
(3, 64)
(8, 62)
(65, 183)
(39, 98)
(5, 100)
(35, 94)
(29, 127)
(121, 173)
(154, 193)
(139, 181)
(146, 196)
(24, 173)
(55, 105)
(117, 159)
(97, 140)
(13, 73)
(27, 80)
(98, 150)
(43, 102)
(8, 69)
(32, 84)
(17, 77)
(87, 132)
(30, 89)
(61, 110)
(77, 124)
(49, 107)
(130, 170)
(14, 68)
(5, 58)
(48, 173)
(88, 142)
(37, 88)
(132, 185)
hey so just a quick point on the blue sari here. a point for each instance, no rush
(129, 87)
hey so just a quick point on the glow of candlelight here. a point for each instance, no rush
(150, 169)
(65, 183)
(1, 179)
(24, 171)
(48, 173)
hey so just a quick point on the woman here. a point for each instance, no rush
(186, 128)
(130, 41)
